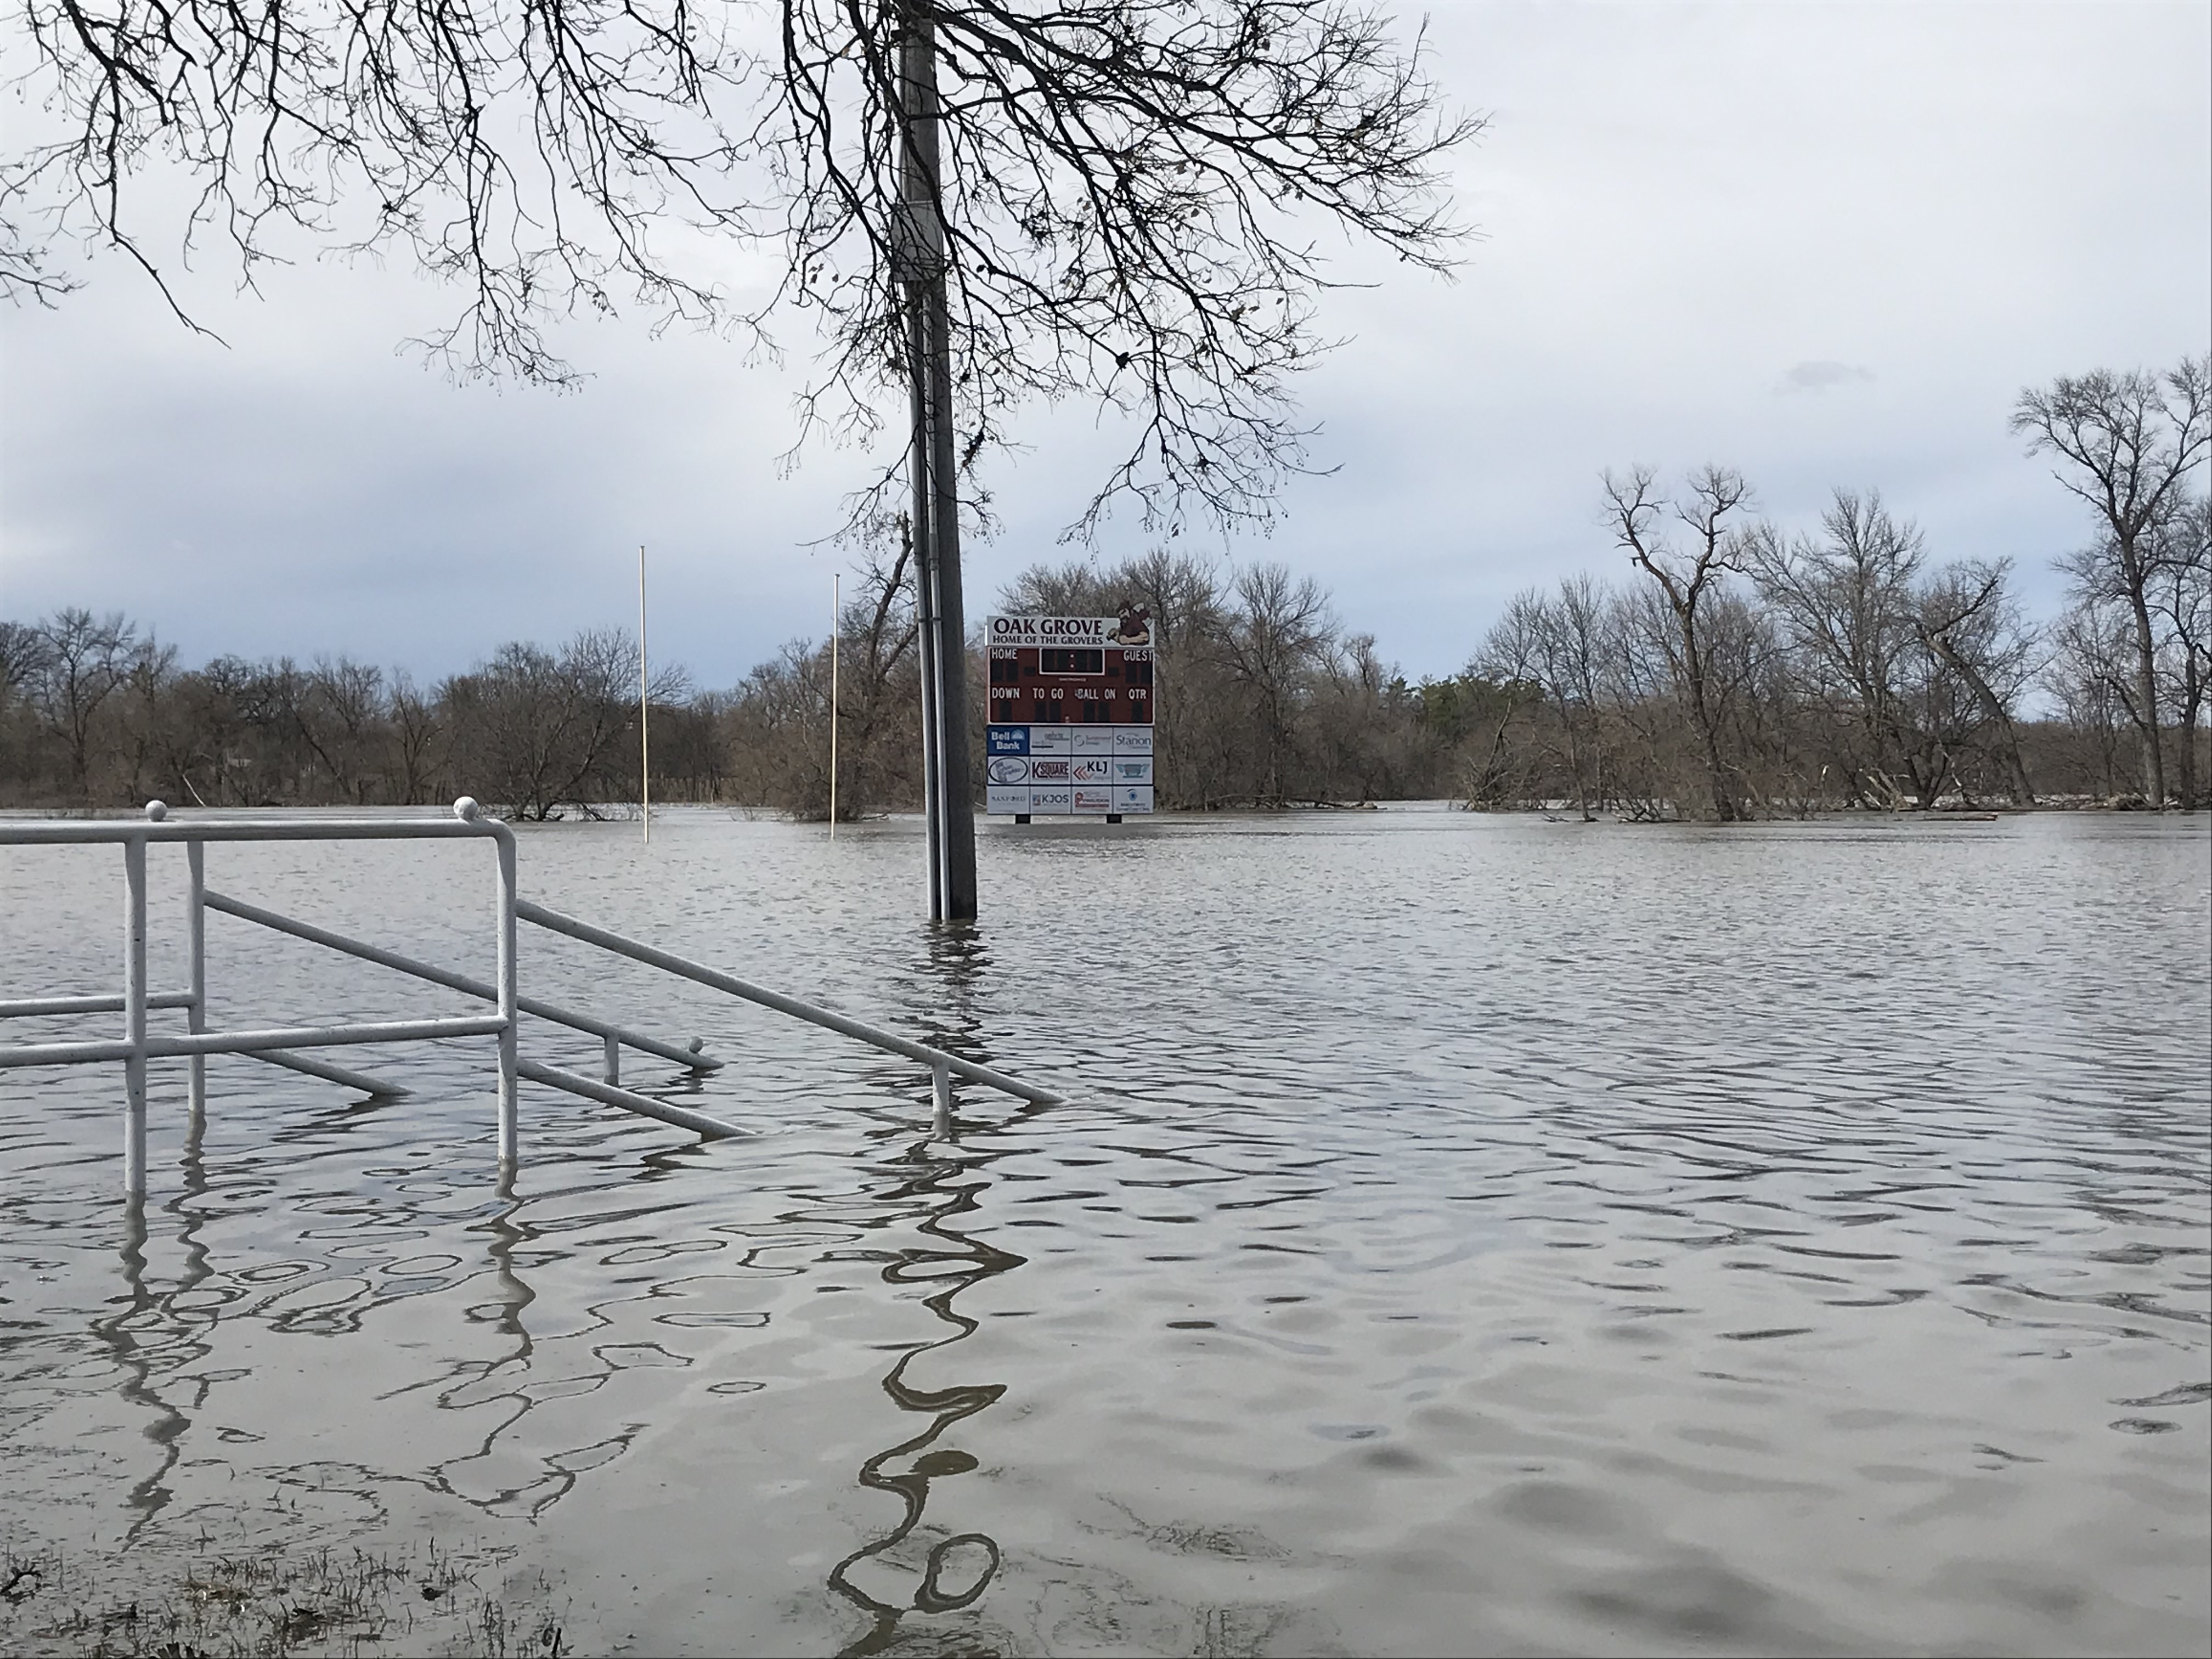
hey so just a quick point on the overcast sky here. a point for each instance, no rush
(1826, 244)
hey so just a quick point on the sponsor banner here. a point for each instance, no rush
(1129, 799)
(1129, 771)
(1092, 769)
(1130, 740)
(1052, 740)
(1007, 769)
(1014, 739)
(1001, 798)
(1052, 799)
(1094, 800)
(1093, 740)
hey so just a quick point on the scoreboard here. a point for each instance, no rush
(1071, 716)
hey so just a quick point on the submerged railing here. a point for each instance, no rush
(278, 1045)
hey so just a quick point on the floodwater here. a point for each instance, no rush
(1469, 1234)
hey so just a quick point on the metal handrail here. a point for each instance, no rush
(137, 1045)
(605, 1030)
(938, 1059)
(106, 1005)
(645, 1105)
(179, 1045)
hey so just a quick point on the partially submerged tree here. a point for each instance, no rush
(1693, 580)
(2129, 444)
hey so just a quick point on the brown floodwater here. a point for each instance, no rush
(1468, 1235)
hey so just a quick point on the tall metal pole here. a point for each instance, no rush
(924, 603)
(644, 709)
(836, 604)
(937, 502)
(954, 788)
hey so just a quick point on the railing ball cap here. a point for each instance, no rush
(157, 809)
(466, 810)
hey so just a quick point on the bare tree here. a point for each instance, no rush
(1124, 204)
(2183, 600)
(878, 631)
(540, 729)
(340, 709)
(419, 734)
(2129, 443)
(1534, 644)
(1689, 579)
(84, 660)
(1847, 601)
(22, 656)
(1277, 632)
(1969, 623)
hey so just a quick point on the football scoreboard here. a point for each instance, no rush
(1071, 716)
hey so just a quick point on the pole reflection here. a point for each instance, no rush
(150, 1336)
(957, 1568)
(938, 1181)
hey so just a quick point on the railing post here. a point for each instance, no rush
(508, 988)
(941, 1076)
(195, 944)
(613, 1068)
(134, 1013)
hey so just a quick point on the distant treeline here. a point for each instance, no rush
(1734, 671)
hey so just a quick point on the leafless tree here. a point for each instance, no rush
(876, 691)
(23, 655)
(1126, 198)
(2129, 443)
(1690, 580)
(2182, 598)
(1970, 624)
(1277, 632)
(1532, 646)
(84, 660)
(340, 709)
(419, 735)
(540, 729)
(1847, 601)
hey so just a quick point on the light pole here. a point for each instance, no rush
(918, 257)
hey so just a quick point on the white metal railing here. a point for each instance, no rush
(137, 1044)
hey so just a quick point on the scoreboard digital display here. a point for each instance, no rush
(1071, 685)
(1071, 716)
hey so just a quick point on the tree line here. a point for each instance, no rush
(1735, 670)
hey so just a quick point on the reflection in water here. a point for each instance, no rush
(152, 1334)
(957, 1568)
(937, 1183)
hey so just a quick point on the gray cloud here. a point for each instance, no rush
(1821, 375)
